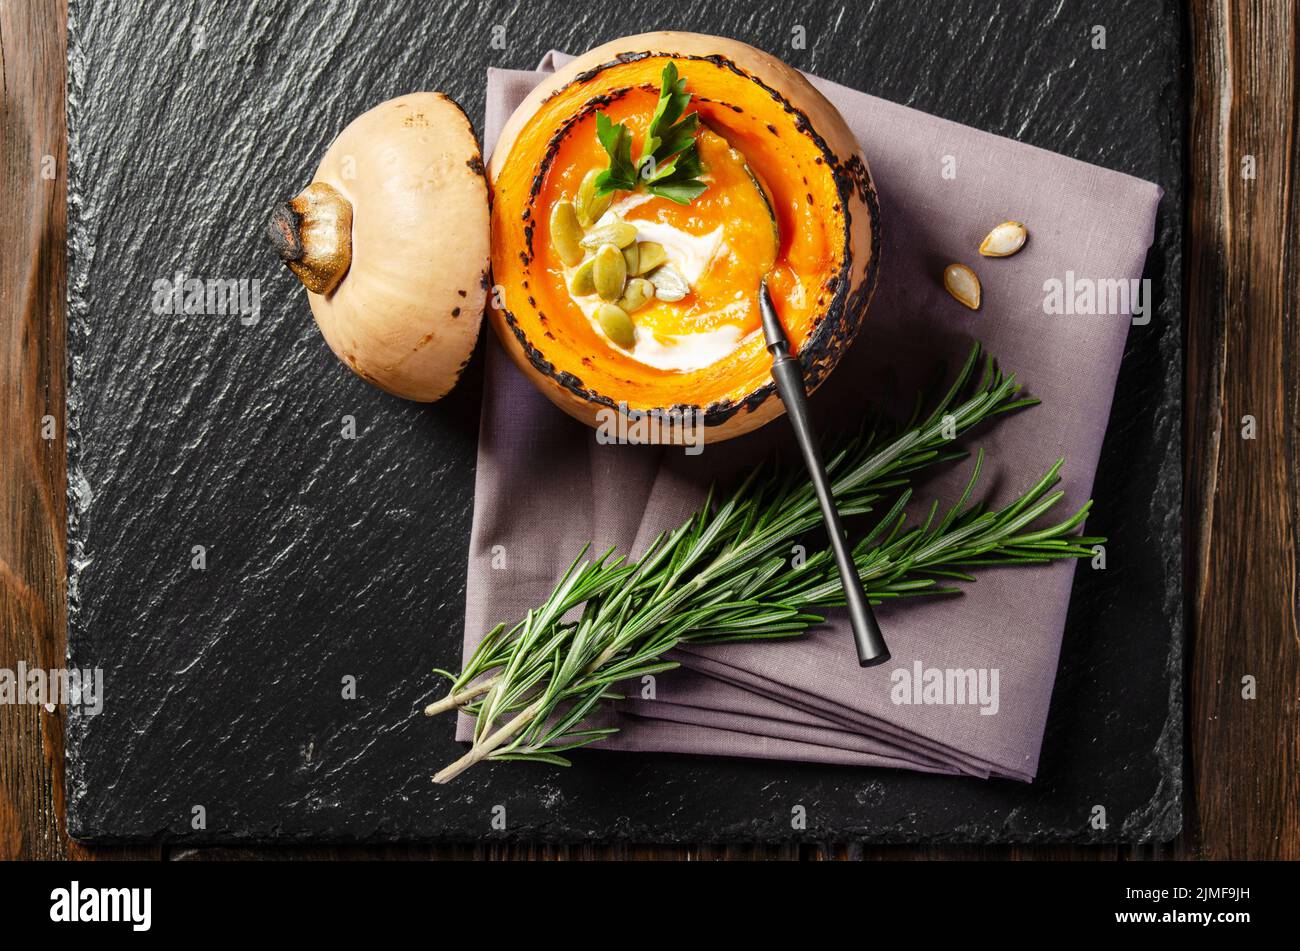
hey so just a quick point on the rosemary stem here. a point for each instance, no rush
(480, 751)
(454, 701)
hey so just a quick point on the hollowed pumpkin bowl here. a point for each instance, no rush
(819, 190)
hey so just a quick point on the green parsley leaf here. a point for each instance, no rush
(617, 142)
(683, 192)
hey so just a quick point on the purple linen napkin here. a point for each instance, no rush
(545, 487)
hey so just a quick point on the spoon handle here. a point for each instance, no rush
(788, 374)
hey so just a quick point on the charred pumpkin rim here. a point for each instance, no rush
(851, 176)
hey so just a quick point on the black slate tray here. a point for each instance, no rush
(329, 558)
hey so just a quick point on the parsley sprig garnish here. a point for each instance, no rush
(669, 164)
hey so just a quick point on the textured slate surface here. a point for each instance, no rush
(329, 557)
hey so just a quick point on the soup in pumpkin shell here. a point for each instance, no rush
(640, 196)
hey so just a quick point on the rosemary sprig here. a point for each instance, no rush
(725, 576)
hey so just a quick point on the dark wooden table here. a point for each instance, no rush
(1242, 326)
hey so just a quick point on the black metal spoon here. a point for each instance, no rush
(788, 374)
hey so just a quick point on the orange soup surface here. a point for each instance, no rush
(722, 243)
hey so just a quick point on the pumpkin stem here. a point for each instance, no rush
(312, 233)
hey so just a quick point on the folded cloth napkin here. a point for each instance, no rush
(545, 487)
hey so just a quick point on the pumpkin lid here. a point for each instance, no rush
(391, 241)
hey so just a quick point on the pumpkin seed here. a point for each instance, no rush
(583, 281)
(1004, 240)
(617, 325)
(963, 285)
(588, 205)
(637, 294)
(566, 233)
(632, 255)
(609, 273)
(669, 283)
(650, 254)
(618, 233)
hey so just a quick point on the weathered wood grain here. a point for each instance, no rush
(1241, 499)
(32, 280)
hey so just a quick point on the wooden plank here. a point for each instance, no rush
(1241, 493)
(33, 163)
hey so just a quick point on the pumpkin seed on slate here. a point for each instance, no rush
(637, 294)
(566, 233)
(588, 205)
(962, 284)
(669, 283)
(618, 233)
(609, 273)
(1004, 240)
(583, 281)
(650, 254)
(617, 325)
(632, 255)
